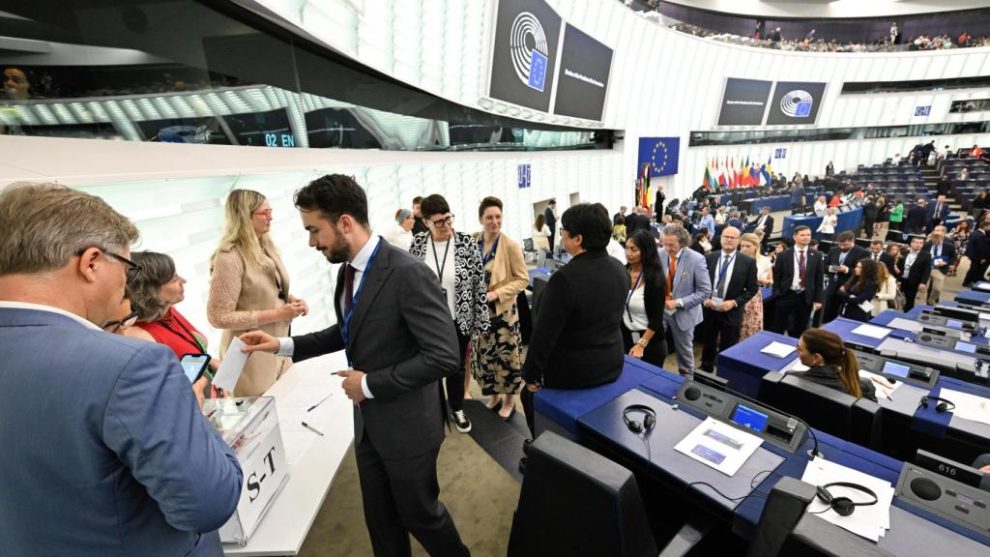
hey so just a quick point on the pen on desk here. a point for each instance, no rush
(313, 407)
(313, 429)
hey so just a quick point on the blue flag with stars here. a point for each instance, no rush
(661, 153)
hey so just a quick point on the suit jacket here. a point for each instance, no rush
(691, 286)
(797, 195)
(402, 336)
(551, 220)
(636, 222)
(853, 257)
(785, 267)
(942, 214)
(947, 254)
(920, 271)
(767, 226)
(577, 338)
(107, 454)
(916, 218)
(978, 248)
(509, 275)
(741, 285)
(885, 258)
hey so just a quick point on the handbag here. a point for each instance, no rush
(899, 301)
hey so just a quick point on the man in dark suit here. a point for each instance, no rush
(978, 252)
(637, 221)
(878, 254)
(917, 216)
(620, 216)
(658, 204)
(764, 222)
(395, 327)
(914, 272)
(943, 255)
(733, 276)
(798, 284)
(797, 195)
(839, 266)
(550, 216)
(937, 213)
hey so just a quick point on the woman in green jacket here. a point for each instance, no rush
(897, 216)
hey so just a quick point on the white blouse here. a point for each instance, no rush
(828, 224)
(634, 312)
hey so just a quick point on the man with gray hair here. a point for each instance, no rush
(107, 452)
(688, 285)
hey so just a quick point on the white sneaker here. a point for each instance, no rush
(460, 421)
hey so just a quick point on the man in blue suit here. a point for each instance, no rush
(688, 286)
(937, 213)
(106, 450)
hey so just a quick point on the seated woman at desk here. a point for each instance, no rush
(831, 364)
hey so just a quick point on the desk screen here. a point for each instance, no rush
(966, 347)
(954, 324)
(748, 417)
(897, 370)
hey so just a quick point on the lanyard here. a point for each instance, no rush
(485, 259)
(440, 268)
(191, 339)
(631, 292)
(345, 329)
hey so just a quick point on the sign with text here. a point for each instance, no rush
(585, 65)
(744, 102)
(525, 172)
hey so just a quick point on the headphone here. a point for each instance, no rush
(844, 506)
(635, 426)
(943, 405)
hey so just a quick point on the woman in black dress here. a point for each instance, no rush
(831, 364)
(642, 316)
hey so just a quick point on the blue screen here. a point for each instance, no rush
(966, 347)
(954, 324)
(897, 370)
(746, 416)
(191, 365)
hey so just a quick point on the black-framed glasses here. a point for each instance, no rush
(114, 326)
(439, 223)
(132, 268)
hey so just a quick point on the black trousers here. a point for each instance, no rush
(910, 293)
(976, 272)
(654, 353)
(791, 314)
(721, 331)
(455, 381)
(402, 497)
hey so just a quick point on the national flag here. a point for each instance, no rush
(765, 172)
(723, 182)
(644, 189)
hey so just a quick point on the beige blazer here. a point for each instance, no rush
(238, 293)
(884, 299)
(509, 274)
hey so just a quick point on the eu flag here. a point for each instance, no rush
(661, 153)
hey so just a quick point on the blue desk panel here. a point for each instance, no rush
(844, 327)
(973, 297)
(889, 315)
(849, 220)
(744, 366)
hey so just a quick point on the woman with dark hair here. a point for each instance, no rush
(702, 243)
(642, 318)
(541, 235)
(959, 236)
(453, 258)
(831, 364)
(496, 355)
(857, 296)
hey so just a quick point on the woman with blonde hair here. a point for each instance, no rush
(250, 288)
(749, 244)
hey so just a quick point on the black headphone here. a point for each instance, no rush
(943, 405)
(649, 419)
(844, 506)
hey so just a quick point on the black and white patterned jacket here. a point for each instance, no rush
(470, 288)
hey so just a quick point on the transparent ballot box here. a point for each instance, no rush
(250, 428)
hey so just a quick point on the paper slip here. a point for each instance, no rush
(968, 407)
(719, 445)
(883, 385)
(778, 349)
(905, 325)
(231, 367)
(871, 331)
(871, 521)
(796, 365)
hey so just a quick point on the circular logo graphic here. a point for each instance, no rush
(796, 104)
(527, 26)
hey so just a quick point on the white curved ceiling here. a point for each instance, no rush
(831, 8)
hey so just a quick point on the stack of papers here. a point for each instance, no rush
(905, 325)
(719, 445)
(778, 349)
(870, 522)
(885, 389)
(968, 407)
(871, 331)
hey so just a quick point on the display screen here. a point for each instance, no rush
(744, 102)
(585, 65)
(795, 102)
(966, 347)
(192, 365)
(748, 417)
(897, 370)
(954, 324)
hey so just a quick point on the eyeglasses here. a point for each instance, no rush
(132, 268)
(440, 223)
(114, 326)
(266, 213)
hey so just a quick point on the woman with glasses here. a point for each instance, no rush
(123, 319)
(496, 355)
(453, 257)
(250, 288)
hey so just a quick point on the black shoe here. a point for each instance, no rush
(526, 445)
(522, 465)
(460, 421)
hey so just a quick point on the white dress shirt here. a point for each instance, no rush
(796, 281)
(728, 273)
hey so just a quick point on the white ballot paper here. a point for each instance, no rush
(795, 366)
(870, 521)
(778, 349)
(883, 385)
(231, 367)
(719, 445)
(968, 407)
(871, 331)
(905, 325)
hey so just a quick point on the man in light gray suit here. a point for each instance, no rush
(688, 285)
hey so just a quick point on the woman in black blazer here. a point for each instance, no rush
(831, 364)
(642, 316)
(857, 296)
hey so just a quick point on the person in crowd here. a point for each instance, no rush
(250, 287)
(937, 213)
(550, 216)
(886, 290)
(16, 84)
(831, 364)
(688, 285)
(915, 271)
(497, 355)
(707, 222)
(963, 174)
(798, 284)
(978, 252)
(959, 237)
(879, 255)
(943, 253)
(753, 312)
(917, 217)
(735, 220)
(944, 185)
(871, 212)
(642, 320)
(620, 215)
(619, 232)
(401, 235)
(721, 217)
(733, 278)
(702, 242)
(829, 168)
(577, 332)
(764, 223)
(981, 201)
(896, 215)
(153, 294)
(976, 151)
(453, 257)
(122, 319)
(827, 227)
(658, 203)
(399, 339)
(820, 205)
(839, 265)
(637, 221)
(797, 195)
(541, 235)
(857, 294)
(118, 413)
(883, 218)
(419, 226)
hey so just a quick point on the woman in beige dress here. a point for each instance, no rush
(250, 288)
